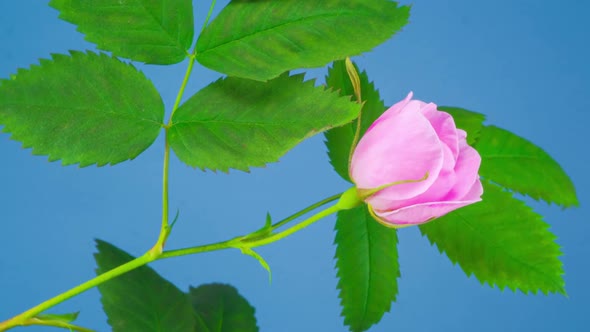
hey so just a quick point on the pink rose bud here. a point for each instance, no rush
(408, 141)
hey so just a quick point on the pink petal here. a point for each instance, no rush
(422, 213)
(402, 147)
(393, 110)
(466, 170)
(440, 188)
(475, 192)
(444, 125)
(461, 134)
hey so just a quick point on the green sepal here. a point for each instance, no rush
(339, 140)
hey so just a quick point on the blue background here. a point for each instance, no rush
(522, 63)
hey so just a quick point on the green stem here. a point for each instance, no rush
(63, 325)
(25, 317)
(237, 242)
(157, 252)
(251, 242)
(198, 249)
(165, 227)
(187, 75)
(306, 210)
(208, 16)
(277, 236)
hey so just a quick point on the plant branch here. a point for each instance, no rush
(208, 16)
(306, 210)
(25, 317)
(246, 241)
(277, 236)
(55, 323)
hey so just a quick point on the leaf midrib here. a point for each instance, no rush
(509, 254)
(278, 26)
(176, 42)
(365, 304)
(240, 123)
(87, 112)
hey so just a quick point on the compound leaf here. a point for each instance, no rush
(150, 31)
(239, 123)
(367, 263)
(519, 165)
(83, 108)
(261, 39)
(502, 242)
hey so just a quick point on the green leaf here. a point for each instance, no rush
(368, 268)
(150, 31)
(469, 121)
(519, 165)
(220, 308)
(239, 123)
(261, 39)
(141, 300)
(502, 242)
(339, 140)
(84, 108)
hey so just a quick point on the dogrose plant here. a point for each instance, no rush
(414, 164)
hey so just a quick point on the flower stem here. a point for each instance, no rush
(250, 241)
(64, 325)
(165, 227)
(306, 210)
(237, 242)
(277, 236)
(25, 317)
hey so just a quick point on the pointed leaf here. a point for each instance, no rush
(84, 108)
(339, 140)
(502, 242)
(469, 121)
(519, 165)
(150, 31)
(141, 300)
(220, 308)
(239, 123)
(368, 268)
(261, 39)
